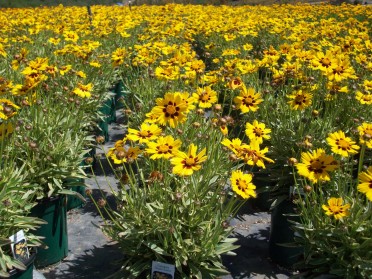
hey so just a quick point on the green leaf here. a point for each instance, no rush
(4, 274)
(17, 264)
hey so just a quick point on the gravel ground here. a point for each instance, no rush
(93, 255)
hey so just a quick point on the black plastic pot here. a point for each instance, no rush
(281, 234)
(27, 273)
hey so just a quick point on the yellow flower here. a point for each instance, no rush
(171, 109)
(5, 130)
(7, 109)
(146, 133)
(118, 56)
(205, 97)
(257, 131)
(185, 164)
(70, 36)
(224, 130)
(336, 209)
(167, 72)
(242, 184)
(315, 165)
(83, 91)
(65, 69)
(120, 154)
(364, 98)
(164, 147)
(342, 145)
(300, 100)
(365, 134)
(253, 155)
(81, 74)
(248, 100)
(235, 145)
(365, 183)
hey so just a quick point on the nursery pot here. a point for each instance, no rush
(282, 233)
(119, 94)
(28, 272)
(76, 185)
(108, 110)
(53, 211)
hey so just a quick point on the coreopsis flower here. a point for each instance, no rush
(246, 66)
(342, 145)
(65, 69)
(164, 147)
(51, 70)
(300, 100)
(248, 100)
(54, 41)
(242, 185)
(235, 145)
(70, 36)
(322, 61)
(81, 74)
(257, 131)
(7, 109)
(229, 37)
(340, 70)
(205, 97)
(146, 133)
(95, 64)
(5, 130)
(364, 98)
(316, 165)
(365, 134)
(185, 164)
(118, 56)
(83, 91)
(336, 208)
(365, 183)
(171, 109)
(168, 72)
(367, 84)
(235, 82)
(224, 130)
(2, 50)
(197, 66)
(253, 155)
(121, 154)
(247, 47)
(230, 52)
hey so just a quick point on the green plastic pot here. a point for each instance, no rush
(108, 110)
(120, 93)
(53, 211)
(27, 273)
(103, 125)
(76, 185)
(281, 234)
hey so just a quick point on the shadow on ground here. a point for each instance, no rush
(97, 263)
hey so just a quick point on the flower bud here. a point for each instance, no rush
(32, 145)
(315, 113)
(292, 161)
(196, 125)
(307, 188)
(88, 192)
(100, 139)
(101, 202)
(89, 160)
(200, 111)
(217, 107)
